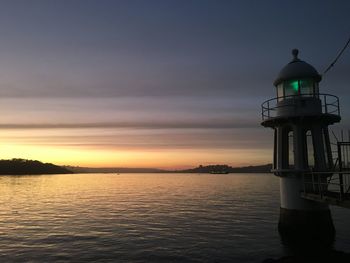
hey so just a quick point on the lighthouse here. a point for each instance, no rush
(300, 116)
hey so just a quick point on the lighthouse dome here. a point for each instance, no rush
(297, 69)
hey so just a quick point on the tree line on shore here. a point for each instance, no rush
(22, 166)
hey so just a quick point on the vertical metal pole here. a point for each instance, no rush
(325, 103)
(340, 171)
(346, 157)
(274, 166)
(328, 147)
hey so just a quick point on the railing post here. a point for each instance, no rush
(268, 109)
(341, 189)
(325, 103)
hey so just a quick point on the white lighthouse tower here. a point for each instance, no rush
(300, 116)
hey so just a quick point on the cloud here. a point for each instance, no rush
(142, 139)
(209, 124)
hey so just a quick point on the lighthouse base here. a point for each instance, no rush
(305, 226)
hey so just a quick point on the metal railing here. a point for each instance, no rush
(334, 184)
(330, 104)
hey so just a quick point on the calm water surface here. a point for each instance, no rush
(144, 217)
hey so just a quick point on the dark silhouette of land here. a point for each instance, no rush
(22, 167)
(200, 169)
(225, 168)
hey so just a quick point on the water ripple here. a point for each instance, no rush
(143, 218)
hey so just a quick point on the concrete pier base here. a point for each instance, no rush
(314, 227)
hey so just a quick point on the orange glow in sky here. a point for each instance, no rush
(99, 157)
(132, 132)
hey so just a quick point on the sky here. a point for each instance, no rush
(167, 84)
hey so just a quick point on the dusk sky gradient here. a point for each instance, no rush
(165, 84)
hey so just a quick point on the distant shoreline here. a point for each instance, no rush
(200, 169)
(33, 167)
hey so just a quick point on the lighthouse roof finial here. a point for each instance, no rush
(295, 53)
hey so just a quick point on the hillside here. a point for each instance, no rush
(21, 167)
(220, 168)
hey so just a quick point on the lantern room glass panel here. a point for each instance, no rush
(306, 87)
(291, 87)
(280, 92)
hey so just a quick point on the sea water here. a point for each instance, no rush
(145, 218)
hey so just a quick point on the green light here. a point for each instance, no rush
(295, 85)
